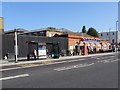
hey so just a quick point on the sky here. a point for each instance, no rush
(69, 15)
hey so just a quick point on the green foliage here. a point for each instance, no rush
(83, 29)
(51, 28)
(92, 32)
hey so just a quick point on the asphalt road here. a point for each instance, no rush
(92, 72)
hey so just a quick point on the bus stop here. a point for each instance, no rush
(38, 50)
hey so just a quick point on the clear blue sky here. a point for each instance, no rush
(30, 16)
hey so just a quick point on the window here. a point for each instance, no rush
(101, 34)
(113, 33)
(107, 34)
(105, 46)
(99, 46)
(41, 33)
(34, 33)
(113, 41)
(94, 46)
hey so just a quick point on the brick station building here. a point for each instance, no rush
(85, 44)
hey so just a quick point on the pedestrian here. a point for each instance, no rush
(35, 54)
(28, 56)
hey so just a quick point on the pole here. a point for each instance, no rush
(109, 35)
(82, 34)
(16, 48)
(116, 32)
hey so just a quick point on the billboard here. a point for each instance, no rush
(42, 50)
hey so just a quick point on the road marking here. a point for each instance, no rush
(108, 60)
(76, 60)
(13, 77)
(85, 65)
(111, 61)
(10, 69)
(73, 67)
(114, 60)
(97, 58)
(34, 65)
(112, 56)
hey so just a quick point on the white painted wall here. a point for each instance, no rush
(106, 36)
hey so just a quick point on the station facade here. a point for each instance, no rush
(83, 45)
(57, 43)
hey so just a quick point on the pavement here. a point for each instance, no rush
(48, 60)
(92, 71)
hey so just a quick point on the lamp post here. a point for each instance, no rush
(116, 32)
(16, 46)
(109, 35)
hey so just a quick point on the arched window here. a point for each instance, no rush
(105, 46)
(99, 46)
(94, 45)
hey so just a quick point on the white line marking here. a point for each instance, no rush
(108, 60)
(112, 56)
(19, 67)
(97, 58)
(76, 60)
(10, 69)
(72, 67)
(13, 77)
(111, 61)
(114, 60)
(39, 65)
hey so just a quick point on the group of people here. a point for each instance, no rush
(91, 50)
(34, 54)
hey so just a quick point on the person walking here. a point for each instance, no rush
(35, 54)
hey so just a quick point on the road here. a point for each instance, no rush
(88, 72)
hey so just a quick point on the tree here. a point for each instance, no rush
(83, 29)
(92, 32)
(51, 28)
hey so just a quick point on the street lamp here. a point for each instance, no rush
(109, 35)
(16, 46)
(116, 32)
